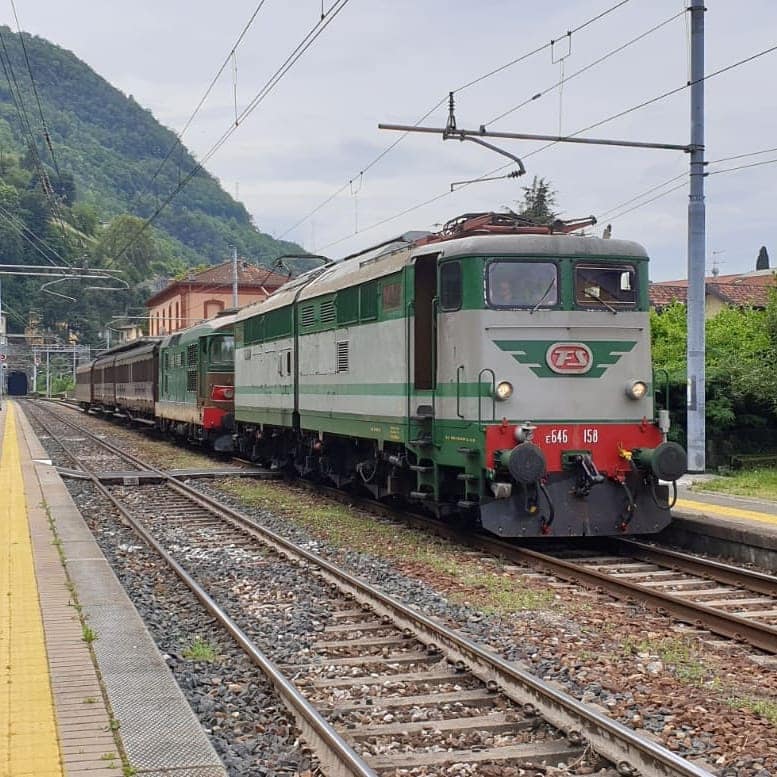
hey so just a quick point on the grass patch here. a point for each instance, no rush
(463, 580)
(760, 483)
(200, 650)
(680, 656)
(766, 708)
(88, 634)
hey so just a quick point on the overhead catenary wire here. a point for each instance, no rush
(544, 147)
(310, 37)
(675, 188)
(46, 134)
(442, 101)
(190, 120)
(566, 79)
(26, 128)
(616, 208)
(27, 234)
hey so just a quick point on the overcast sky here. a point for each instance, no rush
(392, 60)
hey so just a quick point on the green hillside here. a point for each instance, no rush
(88, 199)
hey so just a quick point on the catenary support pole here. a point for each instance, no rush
(696, 250)
(234, 276)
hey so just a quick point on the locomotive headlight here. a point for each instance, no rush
(636, 389)
(504, 390)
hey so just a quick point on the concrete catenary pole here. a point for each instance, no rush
(696, 250)
(234, 276)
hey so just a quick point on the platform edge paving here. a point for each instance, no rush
(160, 733)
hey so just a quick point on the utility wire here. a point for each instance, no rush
(441, 102)
(647, 202)
(620, 205)
(675, 188)
(26, 129)
(310, 37)
(179, 136)
(37, 96)
(27, 234)
(586, 68)
(744, 167)
(555, 142)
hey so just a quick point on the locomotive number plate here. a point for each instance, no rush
(556, 436)
(562, 435)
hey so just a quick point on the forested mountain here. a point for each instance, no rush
(87, 198)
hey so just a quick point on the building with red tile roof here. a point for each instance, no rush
(743, 290)
(205, 294)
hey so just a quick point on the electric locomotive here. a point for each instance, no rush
(498, 369)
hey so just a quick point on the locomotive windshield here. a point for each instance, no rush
(222, 350)
(522, 284)
(605, 286)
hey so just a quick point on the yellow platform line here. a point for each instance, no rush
(728, 512)
(28, 729)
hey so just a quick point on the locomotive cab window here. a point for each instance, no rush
(606, 286)
(522, 284)
(222, 350)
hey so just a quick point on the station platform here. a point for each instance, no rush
(740, 528)
(73, 706)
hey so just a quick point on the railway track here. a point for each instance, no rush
(727, 600)
(378, 686)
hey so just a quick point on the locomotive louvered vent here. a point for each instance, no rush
(328, 312)
(308, 315)
(342, 356)
(191, 367)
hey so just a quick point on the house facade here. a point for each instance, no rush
(203, 295)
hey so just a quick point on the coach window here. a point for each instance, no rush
(522, 284)
(450, 286)
(603, 286)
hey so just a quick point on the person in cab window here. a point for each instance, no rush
(504, 294)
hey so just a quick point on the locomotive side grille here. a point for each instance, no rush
(328, 311)
(342, 356)
(191, 367)
(308, 315)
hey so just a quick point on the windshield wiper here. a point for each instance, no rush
(600, 301)
(542, 298)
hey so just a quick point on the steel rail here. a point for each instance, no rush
(337, 757)
(751, 579)
(759, 635)
(735, 627)
(632, 753)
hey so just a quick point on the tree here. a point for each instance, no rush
(64, 185)
(125, 245)
(762, 263)
(539, 201)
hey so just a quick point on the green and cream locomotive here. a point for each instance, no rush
(496, 369)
